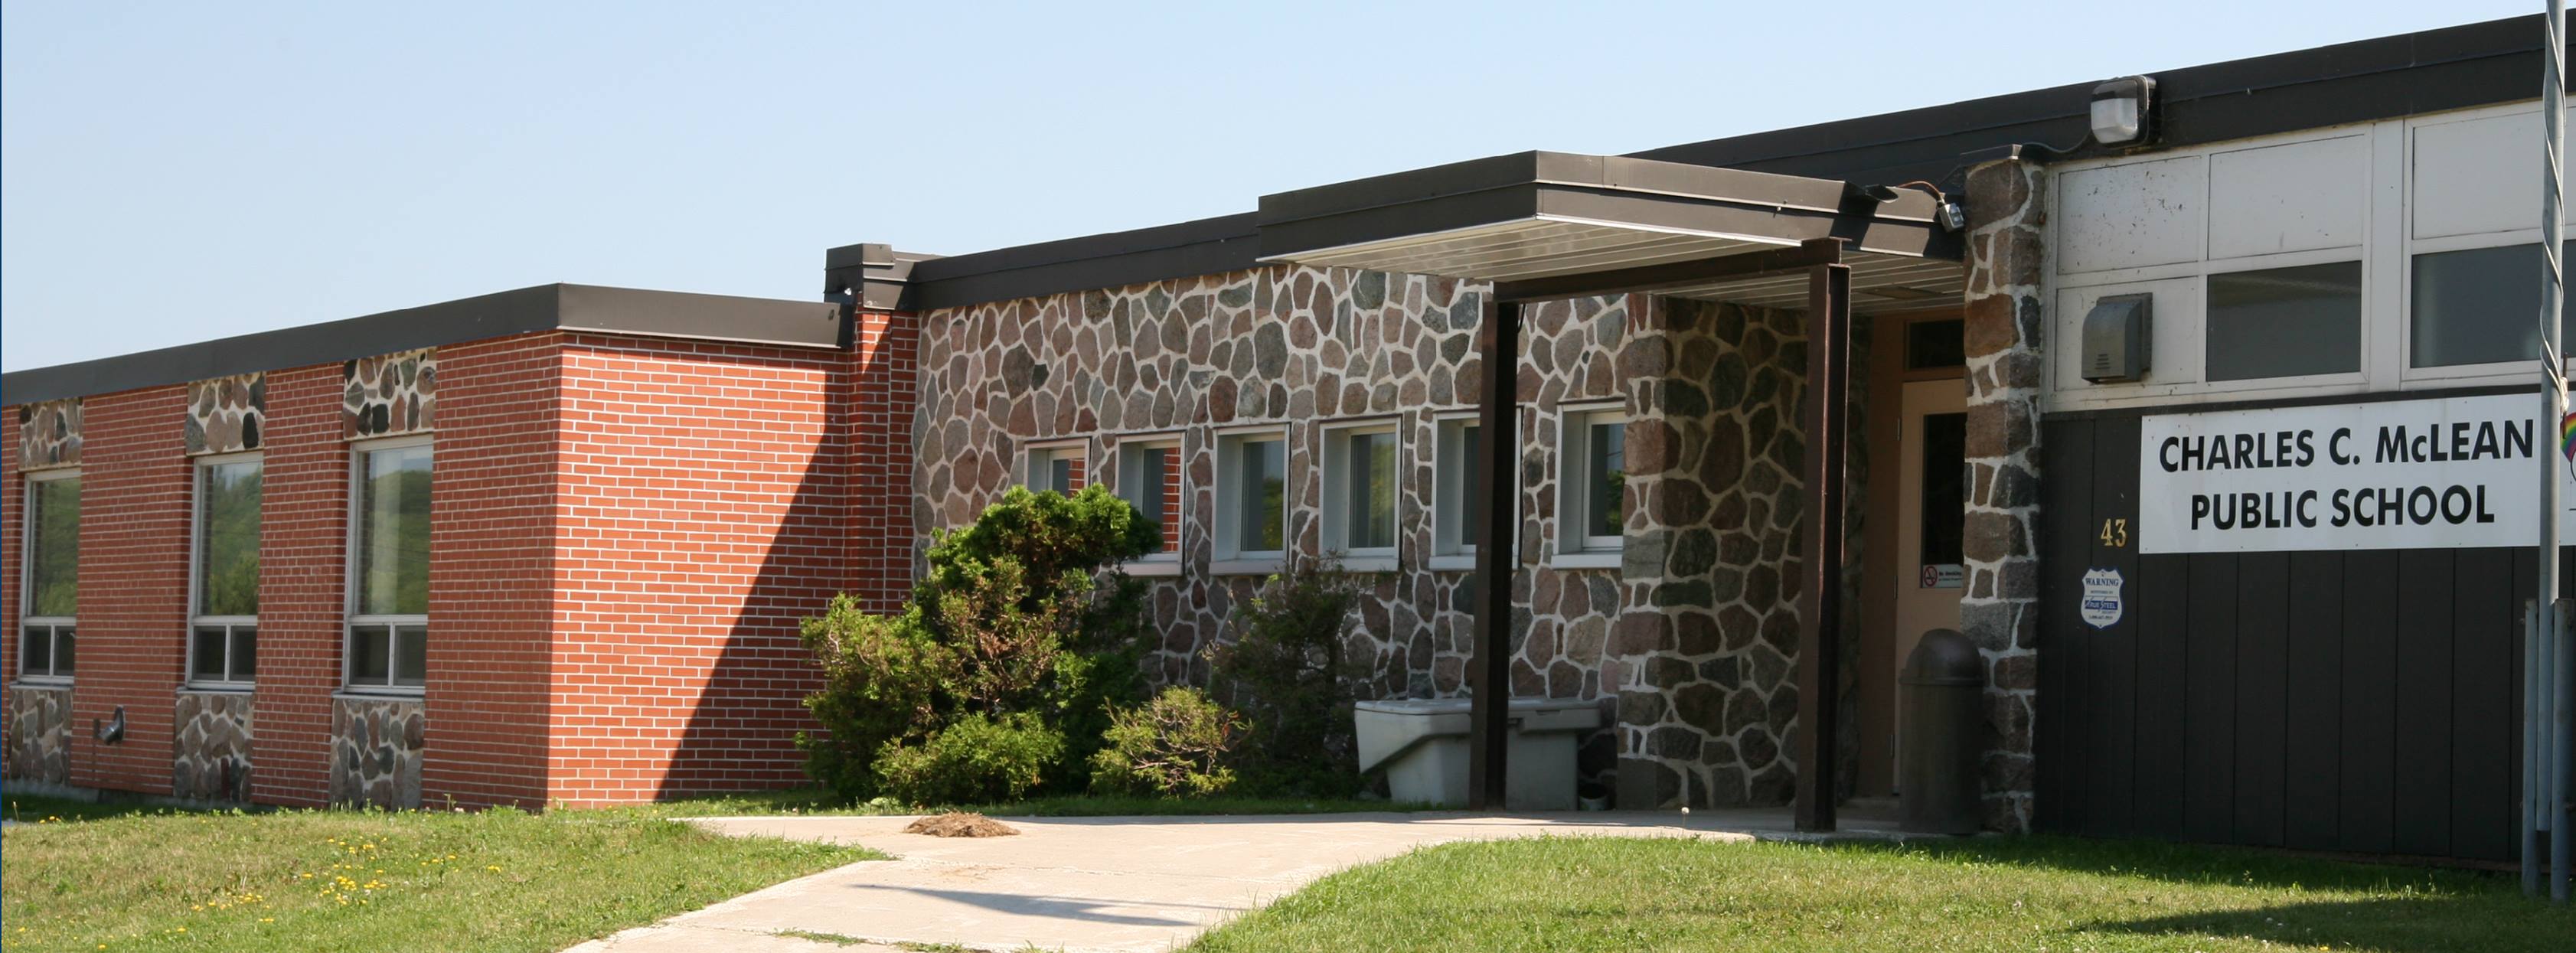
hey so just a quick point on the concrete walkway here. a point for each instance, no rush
(1113, 885)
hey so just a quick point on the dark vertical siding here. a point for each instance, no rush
(2362, 701)
(2312, 702)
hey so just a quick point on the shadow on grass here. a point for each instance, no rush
(2190, 864)
(2421, 924)
(44, 809)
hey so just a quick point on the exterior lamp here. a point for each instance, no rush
(2120, 110)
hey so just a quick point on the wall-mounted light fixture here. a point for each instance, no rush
(2121, 110)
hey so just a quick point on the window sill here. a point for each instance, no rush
(1365, 564)
(1158, 568)
(41, 681)
(1246, 567)
(218, 688)
(1587, 559)
(1454, 562)
(374, 694)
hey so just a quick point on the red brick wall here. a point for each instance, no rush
(303, 534)
(133, 585)
(703, 513)
(491, 594)
(13, 502)
(880, 414)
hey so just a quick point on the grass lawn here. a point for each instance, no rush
(2039, 894)
(156, 879)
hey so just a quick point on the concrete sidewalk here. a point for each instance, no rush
(1113, 885)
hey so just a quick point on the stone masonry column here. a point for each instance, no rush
(2006, 209)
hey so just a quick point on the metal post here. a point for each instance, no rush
(1497, 476)
(1820, 622)
(2554, 810)
(2553, 407)
(2531, 843)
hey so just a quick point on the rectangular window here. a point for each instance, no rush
(2285, 322)
(1057, 468)
(1592, 507)
(389, 565)
(1252, 496)
(224, 629)
(2477, 306)
(1149, 478)
(1936, 344)
(52, 595)
(1359, 490)
(1944, 489)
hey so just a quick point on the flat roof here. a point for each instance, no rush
(2458, 67)
(1533, 215)
(556, 307)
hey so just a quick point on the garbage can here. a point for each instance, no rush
(1422, 743)
(1936, 778)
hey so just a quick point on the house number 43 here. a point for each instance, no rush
(2115, 533)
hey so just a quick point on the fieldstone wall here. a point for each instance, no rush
(1296, 346)
(375, 751)
(1709, 713)
(49, 434)
(2006, 212)
(40, 742)
(226, 414)
(390, 395)
(210, 752)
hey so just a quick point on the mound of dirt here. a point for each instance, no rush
(960, 824)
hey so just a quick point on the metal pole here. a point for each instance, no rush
(2530, 845)
(1820, 605)
(2555, 808)
(1498, 476)
(2553, 406)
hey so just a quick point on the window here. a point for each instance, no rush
(1944, 490)
(1149, 478)
(1058, 468)
(52, 594)
(2477, 306)
(223, 629)
(1359, 494)
(1592, 511)
(1252, 497)
(1936, 344)
(2285, 322)
(389, 565)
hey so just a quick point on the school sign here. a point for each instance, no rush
(2439, 473)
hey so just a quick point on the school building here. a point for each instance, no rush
(2200, 400)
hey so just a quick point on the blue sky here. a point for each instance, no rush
(179, 172)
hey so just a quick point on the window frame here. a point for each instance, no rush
(1450, 474)
(1037, 455)
(1230, 556)
(1334, 513)
(2283, 261)
(1166, 562)
(395, 625)
(233, 625)
(57, 627)
(1579, 548)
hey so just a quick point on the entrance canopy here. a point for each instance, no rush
(1543, 225)
(1561, 217)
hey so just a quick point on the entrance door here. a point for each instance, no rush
(1931, 515)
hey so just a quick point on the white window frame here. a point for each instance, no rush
(1336, 508)
(1450, 476)
(1231, 558)
(1036, 458)
(2406, 246)
(54, 624)
(197, 577)
(396, 624)
(1578, 548)
(1166, 562)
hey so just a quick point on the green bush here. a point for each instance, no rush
(1285, 668)
(1021, 612)
(1176, 745)
(975, 760)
